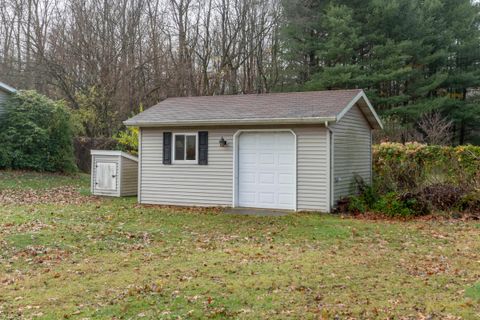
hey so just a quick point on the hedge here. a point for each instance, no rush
(399, 167)
(36, 133)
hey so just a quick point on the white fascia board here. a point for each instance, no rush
(273, 121)
(5, 87)
(361, 95)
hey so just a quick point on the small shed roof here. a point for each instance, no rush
(5, 87)
(270, 108)
(113, 153)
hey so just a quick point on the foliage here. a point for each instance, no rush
(406, 167)
(471, 201)
(412, 57)
(95, 113)
(415, 179)
(128, 138)
(356, 204)
(36, 133)
(392, 205)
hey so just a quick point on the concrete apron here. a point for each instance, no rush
(258, 212)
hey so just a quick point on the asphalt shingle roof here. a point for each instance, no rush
(289, 107)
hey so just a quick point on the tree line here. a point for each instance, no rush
(108, 58)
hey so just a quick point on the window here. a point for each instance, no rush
(185, 148)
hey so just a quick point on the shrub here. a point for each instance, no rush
(356, 204)
(443, 196)
(392, 205)
(128, 140)
(406, 167)
(416, 203)
(36, 133)
(470, 201)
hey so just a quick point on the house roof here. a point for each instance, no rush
(5, 87)
(270, 108)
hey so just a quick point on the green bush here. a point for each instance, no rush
(356, 204)
(391, 205)
(128, 140)
(36, 133)
(407, 167)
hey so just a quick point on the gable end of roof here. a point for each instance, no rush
(367, 109)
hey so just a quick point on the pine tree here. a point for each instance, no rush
(410, 56)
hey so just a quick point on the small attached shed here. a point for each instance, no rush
(295, 151)
(114, 173)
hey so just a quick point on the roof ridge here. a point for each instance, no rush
(264, 94)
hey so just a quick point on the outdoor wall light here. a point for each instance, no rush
(222, 142)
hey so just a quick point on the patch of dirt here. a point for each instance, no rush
(61, 195)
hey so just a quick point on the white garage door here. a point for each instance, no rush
(266, 170)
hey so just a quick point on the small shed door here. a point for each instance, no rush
(106, 176)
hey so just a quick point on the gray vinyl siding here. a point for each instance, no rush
(113, 159)
(312, 169)
(352, 152)
(129, 177)
(3, 99)
(212, 185)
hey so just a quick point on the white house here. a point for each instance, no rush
(296, 151)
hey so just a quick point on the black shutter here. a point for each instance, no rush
(203, 148)
(167, 148)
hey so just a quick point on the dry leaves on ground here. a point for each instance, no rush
(61, 195)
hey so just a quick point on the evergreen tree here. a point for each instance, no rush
(410, 56)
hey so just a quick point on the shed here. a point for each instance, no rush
(114, 173)
(296, 151)
(5, 92)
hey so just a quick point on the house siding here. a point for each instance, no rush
(212, 184)
(3, 98)
(352, 152)
(129, 177)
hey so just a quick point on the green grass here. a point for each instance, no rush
(41, 181)
(474, 292)
(112, 258)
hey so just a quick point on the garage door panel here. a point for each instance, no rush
(286, 158)
(249, 142)
(267, 158)
(248, 158)
(285, 198)
(247, 177)
(266, 198)
(247, 197)
(265, 140)
(266, 170)
(286, 178)
(267, 178)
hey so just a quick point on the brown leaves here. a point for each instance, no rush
(41, 255)
(61, 195)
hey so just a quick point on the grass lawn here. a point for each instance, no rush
(113, 259)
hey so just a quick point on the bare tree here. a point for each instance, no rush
(106, 58)
(436, 129)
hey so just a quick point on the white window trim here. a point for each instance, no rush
(185, 146)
